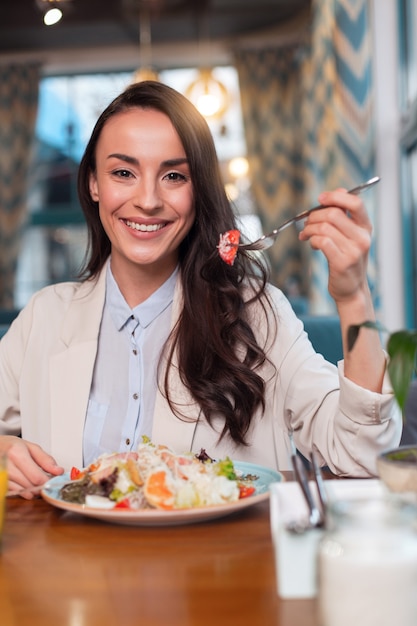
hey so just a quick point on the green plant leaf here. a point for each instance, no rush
(402, 350)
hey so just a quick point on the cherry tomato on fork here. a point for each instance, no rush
(228, 246)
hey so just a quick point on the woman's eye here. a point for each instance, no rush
(122, 173)
(176, 176)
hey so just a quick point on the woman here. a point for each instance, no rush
(162, 338)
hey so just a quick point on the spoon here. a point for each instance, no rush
(266, 241)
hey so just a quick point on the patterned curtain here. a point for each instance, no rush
(308, 122)
(271, 96)
(18, 108)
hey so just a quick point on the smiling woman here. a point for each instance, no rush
(162, 338)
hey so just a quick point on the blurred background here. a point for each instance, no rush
(300, 95)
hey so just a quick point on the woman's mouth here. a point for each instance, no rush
(145, 228)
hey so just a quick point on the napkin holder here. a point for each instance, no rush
(296, 553)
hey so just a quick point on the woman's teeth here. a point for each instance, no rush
(144, 227)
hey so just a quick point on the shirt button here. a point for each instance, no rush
(135, 352)
(135, 396)
(128, 441)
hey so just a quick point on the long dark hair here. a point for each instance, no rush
(216, 350)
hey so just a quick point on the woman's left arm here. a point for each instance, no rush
(343, 233)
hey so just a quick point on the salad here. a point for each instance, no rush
(155, 477)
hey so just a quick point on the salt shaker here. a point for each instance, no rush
(367, 564)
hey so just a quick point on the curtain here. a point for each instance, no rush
(271, 97)
(307, 112)
(18, 109)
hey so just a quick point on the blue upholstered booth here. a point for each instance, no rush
(324, 333)
(6, 318)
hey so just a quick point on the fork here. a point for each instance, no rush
(315, 516)
(266, 241)
(318, 479)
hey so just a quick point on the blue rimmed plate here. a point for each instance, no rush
(156, 517)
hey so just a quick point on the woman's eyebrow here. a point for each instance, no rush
(175, 162)
(124, 157)
(134, 161)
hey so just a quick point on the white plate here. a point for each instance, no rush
(155, 517)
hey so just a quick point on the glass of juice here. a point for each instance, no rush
(3, 490)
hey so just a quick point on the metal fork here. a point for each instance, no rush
(315, 517)
(318, 479)
(266, 241)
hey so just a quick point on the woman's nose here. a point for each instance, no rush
(147, 195)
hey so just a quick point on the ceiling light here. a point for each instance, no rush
(145, 71)
(52, 16)
(52, 10)
(238, 167)
(208, 94)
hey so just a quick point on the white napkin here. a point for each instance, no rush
(348, 488)
(296, 554)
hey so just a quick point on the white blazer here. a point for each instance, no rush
(46, 367)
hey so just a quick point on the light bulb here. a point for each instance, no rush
(52, 16)
(208, 104)
(238, 167)
(208, 95)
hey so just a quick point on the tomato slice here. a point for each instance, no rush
(228, 246)
(76, 474)
(245, 491)
(122, 504)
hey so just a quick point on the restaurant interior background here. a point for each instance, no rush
(317, 94)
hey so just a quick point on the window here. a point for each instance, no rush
(408, 99)
(55, 240)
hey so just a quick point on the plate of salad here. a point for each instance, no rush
(156, 487)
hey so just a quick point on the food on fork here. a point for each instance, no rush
(157, 478)
(228, 246)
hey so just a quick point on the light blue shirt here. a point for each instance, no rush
(123, 391)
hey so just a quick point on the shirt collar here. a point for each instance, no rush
(147, 311)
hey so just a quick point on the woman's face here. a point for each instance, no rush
(143, 186)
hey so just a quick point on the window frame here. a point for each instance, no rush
(407, 24)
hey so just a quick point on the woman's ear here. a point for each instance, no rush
(93, 187)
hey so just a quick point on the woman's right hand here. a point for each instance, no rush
(28, 466)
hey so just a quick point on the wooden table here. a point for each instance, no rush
(61, 569)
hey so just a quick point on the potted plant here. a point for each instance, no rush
(397, 467)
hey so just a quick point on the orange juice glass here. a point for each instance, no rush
(3, 490)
